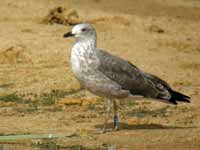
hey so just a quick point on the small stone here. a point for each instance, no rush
(155, 28)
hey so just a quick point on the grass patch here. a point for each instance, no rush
(37, 99)
(11, 98)
(6, 85)
(51, 97)
(81, 147)
(49, 144)
(48, 99)
(132, 103)
(31, 103)
(91, 107)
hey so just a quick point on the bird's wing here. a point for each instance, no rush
(130, 77)
(122, 72)
(166, 92)
(163, 88)
(160, 83)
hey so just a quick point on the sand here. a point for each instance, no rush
(159, 36)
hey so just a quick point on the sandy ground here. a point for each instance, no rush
(159, 36)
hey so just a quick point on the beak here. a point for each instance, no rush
(68, 34)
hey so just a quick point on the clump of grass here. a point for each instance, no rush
(48, 99)
(91, 107)
(51, 97)
(81, 147)
(49, 144)
(11, 98)
(32, 101)
(132, 103)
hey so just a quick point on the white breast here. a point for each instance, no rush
(75, 61)
(82, 58)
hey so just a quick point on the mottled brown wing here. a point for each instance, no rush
(163, 88)
(157, 80)
(130, 77)
(122, 72)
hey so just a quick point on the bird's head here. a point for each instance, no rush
(82, 31)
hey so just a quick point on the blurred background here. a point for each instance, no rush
(39, 94)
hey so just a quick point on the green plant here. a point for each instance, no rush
(11, 98)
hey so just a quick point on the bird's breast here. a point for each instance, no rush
(75, 63)
(83, 60)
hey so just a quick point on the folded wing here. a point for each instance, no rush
(131, 78)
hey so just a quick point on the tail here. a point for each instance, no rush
(176, 96)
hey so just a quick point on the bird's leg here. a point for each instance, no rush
(115, 115)
(107, 114)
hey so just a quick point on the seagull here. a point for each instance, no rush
(112, 77)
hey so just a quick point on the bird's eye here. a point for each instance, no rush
(84, 29)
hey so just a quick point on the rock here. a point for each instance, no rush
(62, 15)
(155, 28)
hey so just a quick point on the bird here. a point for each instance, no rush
(112, 77)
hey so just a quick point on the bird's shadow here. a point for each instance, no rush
(126, 126)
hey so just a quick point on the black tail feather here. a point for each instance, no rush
(176, 96)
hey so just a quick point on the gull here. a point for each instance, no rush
(111, 77)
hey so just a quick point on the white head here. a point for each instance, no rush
(82, 32)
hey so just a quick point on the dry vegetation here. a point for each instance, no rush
(39, 95)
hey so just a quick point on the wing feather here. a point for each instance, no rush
(119, 70)
(130, 77)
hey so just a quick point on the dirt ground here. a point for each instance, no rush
(39, 94)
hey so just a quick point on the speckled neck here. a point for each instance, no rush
(83, 57)
(85, 46)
